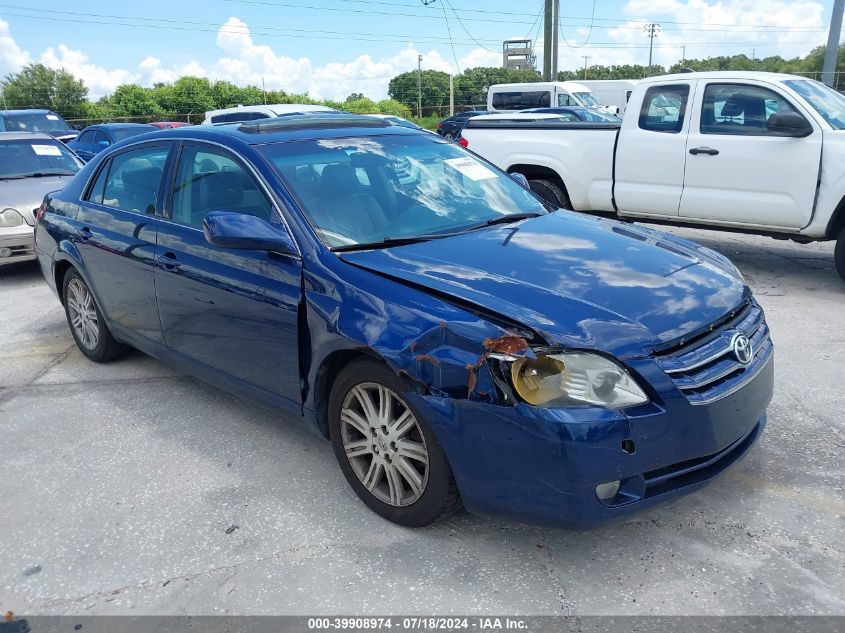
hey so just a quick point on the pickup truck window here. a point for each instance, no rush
(740, 109)
(664, 108)
(824, 100)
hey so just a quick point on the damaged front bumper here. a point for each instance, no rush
(541, 465)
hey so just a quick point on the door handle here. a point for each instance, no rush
(168, 261)
(695, 151)
(85, 234)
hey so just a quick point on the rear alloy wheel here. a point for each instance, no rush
(449, 136)
(839, 254)
(86, 323)
(387, 452)
(550, 192)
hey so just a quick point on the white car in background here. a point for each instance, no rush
(31, 166)
(253, 112)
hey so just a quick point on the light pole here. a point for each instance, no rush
(586, 59)
(419, 86)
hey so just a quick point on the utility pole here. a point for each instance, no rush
(555, 21)
(419, 86)
(586, 59)
(451, 95)
(832, 52)
(547, 41)
(683, 54)
(264, 90)
(651, 30)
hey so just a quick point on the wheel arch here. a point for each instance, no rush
(837, 221)
(534, 172)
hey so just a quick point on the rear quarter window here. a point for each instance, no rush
(664, 108)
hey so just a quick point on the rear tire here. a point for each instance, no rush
(86, 322)
(386, 450)
(449, 136)
(550, 192)
(839, 254)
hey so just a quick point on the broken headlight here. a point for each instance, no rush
(572, 378)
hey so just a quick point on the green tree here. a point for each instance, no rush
(361, 105)
(133, 100)
(471, 85)
(435, 88)
(37, 86)
(355, 96)
(391, 106)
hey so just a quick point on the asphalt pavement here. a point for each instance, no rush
(129, 488)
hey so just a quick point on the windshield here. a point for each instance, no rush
(825, 100)
(588, 99)
(20, 159)
(121, 133)
(34, 122)
(371, 189)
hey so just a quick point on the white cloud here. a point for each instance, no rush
(11, 55)
(98, 79)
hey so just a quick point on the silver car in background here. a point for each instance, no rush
(31, 165)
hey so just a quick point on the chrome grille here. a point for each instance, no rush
(707, 369)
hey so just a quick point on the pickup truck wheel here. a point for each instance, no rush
(839, 254)
(551, 192)
(386, 449)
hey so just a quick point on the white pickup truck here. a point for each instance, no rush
(743, 151)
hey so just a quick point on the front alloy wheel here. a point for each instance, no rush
(384, 444)
(386, 449)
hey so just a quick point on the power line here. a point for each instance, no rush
(589, 34)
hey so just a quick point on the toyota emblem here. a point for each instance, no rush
(742, 348)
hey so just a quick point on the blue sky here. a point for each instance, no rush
(333, 47)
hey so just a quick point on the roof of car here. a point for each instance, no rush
(25, 136)
(117, 126)
(26, 111)
(722, 74)
(287, 128)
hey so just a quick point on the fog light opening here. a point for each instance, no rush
(629, 447)
(608, 490)
(5, 252)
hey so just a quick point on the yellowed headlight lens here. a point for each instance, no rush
(531, 378)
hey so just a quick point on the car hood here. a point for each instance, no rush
(576, 280)
(27, 194)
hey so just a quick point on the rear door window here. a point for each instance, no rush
(664, 108)
(134, 179)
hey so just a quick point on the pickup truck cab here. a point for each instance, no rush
(746, 151)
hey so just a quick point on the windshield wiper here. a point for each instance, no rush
(390, 241)
(42, 174)
(504, 219)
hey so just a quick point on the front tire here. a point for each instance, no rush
(86, 322)
(551, 192)
(839, 254)
(386, 450)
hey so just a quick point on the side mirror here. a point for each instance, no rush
(239, 230)
(789, 124)
(520, 178)
(103, 143)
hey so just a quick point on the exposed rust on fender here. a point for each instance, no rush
(507, 344)
(472, 379)
(428, 358)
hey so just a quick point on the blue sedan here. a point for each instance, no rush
(95, 138)
(454, 338)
